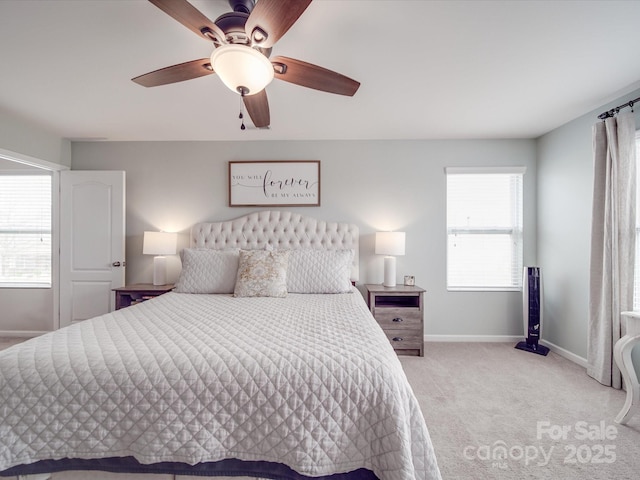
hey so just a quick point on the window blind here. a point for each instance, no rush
(484, 228)
(25, 230)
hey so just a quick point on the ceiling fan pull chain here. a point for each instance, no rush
(241, 116)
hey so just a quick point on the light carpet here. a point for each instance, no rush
(495, 412)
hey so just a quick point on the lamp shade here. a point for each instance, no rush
(390, 243)
(243, 69)
(159, 243)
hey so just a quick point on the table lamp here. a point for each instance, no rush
(390, 244)
(159, 244)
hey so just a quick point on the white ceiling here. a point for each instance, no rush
(428, 69)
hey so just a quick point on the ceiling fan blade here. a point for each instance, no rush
(258, 108)
(176, 73)
(191, 17)
(270, 19)
(312, 76)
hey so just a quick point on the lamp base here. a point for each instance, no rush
(159, 270)
(389, 272)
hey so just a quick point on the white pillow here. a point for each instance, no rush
(319, 271)
(208, 271)
(262, 273)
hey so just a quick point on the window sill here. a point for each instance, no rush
(484, 289)
(26, 285)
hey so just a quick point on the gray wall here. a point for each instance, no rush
(565, 190)
(22, 136)
(379, 185)
(376, 184)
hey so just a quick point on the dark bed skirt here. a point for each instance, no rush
(229, 467)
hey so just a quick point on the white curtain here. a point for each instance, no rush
(612, 242)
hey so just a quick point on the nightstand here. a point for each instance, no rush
(132, 294)
(399, 311)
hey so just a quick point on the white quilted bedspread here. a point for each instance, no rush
(308, 380)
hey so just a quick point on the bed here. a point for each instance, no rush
(263, 362)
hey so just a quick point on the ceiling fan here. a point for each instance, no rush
(242, 41)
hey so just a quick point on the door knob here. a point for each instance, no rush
(116, 264)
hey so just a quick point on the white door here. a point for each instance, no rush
(92, 234)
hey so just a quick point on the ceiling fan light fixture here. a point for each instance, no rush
(242, 69)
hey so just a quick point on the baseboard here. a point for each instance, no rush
(20, 333)
(565, 353)
(507, 339)
(472, 338)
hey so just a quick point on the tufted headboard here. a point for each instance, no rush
(280, 230)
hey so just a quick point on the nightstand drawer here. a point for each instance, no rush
(399, 318)
(405, 339)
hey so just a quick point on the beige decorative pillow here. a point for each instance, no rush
(262, 273)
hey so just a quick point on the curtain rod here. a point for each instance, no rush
(614, 111)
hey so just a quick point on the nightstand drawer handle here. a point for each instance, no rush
(398, 319)
(398, 339)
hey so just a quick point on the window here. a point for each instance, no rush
(484, 228)
(25, 230)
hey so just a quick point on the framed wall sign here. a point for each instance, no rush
(274, 183)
